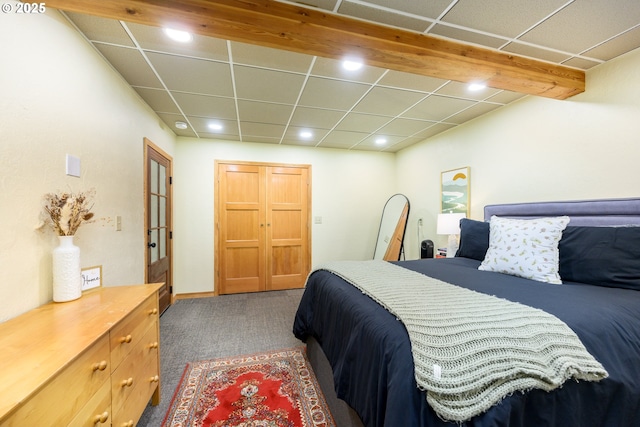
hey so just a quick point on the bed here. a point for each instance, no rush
(362, 354)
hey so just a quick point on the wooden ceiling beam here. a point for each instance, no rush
(315, 32)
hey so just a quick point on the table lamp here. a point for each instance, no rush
(449, 223)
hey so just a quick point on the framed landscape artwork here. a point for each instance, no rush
(455, 190)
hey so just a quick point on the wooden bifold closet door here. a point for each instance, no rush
(262, 227)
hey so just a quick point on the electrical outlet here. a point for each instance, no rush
(420, 221)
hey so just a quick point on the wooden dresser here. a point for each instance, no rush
(90, 362)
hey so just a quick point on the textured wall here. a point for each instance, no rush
(59, 97)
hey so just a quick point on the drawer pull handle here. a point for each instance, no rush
(154, 379)
(127, 424)
(153, 311)
(127, 383)
(153, 344)
(126, 339)
(102, 418)
(100, 366)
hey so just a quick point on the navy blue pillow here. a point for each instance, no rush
(474, 239)
(603, 256)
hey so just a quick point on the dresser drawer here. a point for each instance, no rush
(126, 334)
(136, 378)
(133, 407)
(58, 402)
(97, 412)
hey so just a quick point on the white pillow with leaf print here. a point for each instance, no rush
(525, 247)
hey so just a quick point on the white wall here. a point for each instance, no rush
(58, 97)
(349, 190)
(537, 149)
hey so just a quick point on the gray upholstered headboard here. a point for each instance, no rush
(604, 212)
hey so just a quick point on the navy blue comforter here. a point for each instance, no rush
(370, 353)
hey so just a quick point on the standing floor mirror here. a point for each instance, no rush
(389, 245)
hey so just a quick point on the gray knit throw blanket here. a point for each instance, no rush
(471, 350)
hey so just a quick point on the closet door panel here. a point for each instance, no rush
(287, 230)
(241, 233)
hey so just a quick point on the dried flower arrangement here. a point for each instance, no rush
(66, 211)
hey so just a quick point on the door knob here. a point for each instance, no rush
(151, 245)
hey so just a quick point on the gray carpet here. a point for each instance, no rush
(227, 325)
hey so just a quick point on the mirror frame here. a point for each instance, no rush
(393, 225)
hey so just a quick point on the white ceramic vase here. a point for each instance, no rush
(67, 279)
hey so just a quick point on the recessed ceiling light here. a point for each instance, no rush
(214, 126)
(178, 35)
(305, 134)
(474, 87)
(181, 125)
(351, 64)
(381, 140)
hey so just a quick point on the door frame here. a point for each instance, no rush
(216, 210)
(146, 145)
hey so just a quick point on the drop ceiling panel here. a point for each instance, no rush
(264, 112)
(428, 9)
(325, 67)
(371, 142)
(227, 127)
(626, 42)
(316, 118)
(505, 18)
(267, 85)
(206, 106)
(599, 20)
(535, 52)
(404, 127)
(434, 130)
(193, 75)
(159, 100)
(131, 65)
(357, 122)
(250, 130)
(459, 90)
(154, 39)
(472, 112)
(437, 108)
(466, 36)
(582, 63)
(333, 94)
(383, 16)
(505, 97)
(386, 101)
(413, 82)
(343, 139)
(265, 57)
(292, 135)
(100, 29)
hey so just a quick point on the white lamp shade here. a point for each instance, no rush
(449, 223)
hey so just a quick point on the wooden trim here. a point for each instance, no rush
(318, 32)
(216, 237)
(194, 295)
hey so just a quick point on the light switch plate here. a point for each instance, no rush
(73, 165)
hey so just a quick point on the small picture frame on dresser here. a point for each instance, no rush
(91, 277)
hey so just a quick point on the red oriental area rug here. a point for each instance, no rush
(272, 389)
